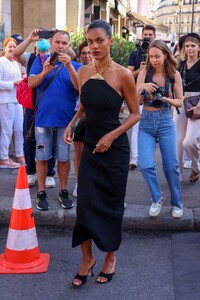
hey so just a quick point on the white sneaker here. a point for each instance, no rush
(133, 163)
(125, 204)
(74, 194)
(187, 164)
(9, 164)
(32, 179)
(155, 208)
(50, 182)
(177, 212)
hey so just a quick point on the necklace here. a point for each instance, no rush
(98, 74)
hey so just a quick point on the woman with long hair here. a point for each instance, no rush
(156, 85)
(188, 130)
(104, 162)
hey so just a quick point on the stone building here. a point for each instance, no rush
(181, 16)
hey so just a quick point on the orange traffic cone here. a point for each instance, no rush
(22, 253)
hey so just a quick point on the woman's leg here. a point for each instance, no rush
(87, 263)
(168, 149)
(108, 268)
(180, 122)
(191, 142)
(6, 123)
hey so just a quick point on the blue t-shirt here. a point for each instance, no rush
(56, 108)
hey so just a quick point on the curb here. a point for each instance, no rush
(136, 217)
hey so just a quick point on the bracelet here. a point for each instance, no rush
(141, 92)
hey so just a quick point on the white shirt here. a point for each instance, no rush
(9, 73)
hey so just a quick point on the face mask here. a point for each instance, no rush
(43, 45)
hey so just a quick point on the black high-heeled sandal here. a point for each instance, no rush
(105, 275)
(83, 278)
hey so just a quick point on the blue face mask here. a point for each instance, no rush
(43, 45)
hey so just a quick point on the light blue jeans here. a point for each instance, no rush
(159, 125)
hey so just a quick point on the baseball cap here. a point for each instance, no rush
(18, 38)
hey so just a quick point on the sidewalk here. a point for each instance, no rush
(137, 198)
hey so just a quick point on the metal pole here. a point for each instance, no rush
(192, 20)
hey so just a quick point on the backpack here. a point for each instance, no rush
(24, 94)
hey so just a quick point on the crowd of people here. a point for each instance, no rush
(80, 103)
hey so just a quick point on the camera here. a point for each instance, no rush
(145, 44)
(157, 97)
(46, 34)
(54, 59)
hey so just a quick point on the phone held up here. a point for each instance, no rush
(46, 34)
(54, 59)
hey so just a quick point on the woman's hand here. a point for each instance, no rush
(150, 87)
(196, 112)
(104, 143)
(68, 135)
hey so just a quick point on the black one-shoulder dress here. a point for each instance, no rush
(102, 177)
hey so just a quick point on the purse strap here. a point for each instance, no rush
(46, 86)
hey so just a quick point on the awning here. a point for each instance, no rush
(144, 20)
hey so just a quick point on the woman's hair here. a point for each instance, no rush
(193, 37)
(81, 46)
(101, 24)
(170, 63)
(5, 43)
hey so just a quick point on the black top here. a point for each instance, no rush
(192, 76)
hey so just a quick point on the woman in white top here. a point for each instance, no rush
(11, 113)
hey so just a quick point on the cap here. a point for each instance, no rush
(17, 37)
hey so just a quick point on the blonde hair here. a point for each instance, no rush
(170, 63)
(192, 39)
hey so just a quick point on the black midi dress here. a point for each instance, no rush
(102, 177)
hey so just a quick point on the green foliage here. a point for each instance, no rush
(76, 38)
(121, 50)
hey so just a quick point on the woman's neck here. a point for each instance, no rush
(192, 59)
(9, 57)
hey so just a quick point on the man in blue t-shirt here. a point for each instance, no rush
(55, 111)
(136, 63)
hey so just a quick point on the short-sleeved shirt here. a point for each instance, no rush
(56, 108)
(135, 58)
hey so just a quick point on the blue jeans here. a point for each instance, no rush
(29, 149)
(159, 125)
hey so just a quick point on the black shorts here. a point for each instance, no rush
(79, 134)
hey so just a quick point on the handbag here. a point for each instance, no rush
(30, 135)
(190, 102)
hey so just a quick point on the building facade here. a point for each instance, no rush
(181, 16)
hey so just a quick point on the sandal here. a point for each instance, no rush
(194, 176)
(107, 276)
(83, 278)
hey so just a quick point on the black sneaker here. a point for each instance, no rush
(64, 199)
(41, 201)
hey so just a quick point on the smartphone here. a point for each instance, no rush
(46, 34)
(54, 59)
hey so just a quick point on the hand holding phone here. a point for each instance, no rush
(54, 59)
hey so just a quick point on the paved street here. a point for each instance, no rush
(150, 266)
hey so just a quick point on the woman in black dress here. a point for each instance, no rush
(104, 163)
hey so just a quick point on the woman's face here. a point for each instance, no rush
(85, 56)
(156, 57)
(191, 49)
(9, 49)
(99, 43)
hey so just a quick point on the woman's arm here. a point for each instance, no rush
(178, 92)
(143, 87)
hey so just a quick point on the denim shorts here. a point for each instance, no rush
(45, 136)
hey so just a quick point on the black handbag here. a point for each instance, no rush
(190, 102)
(30, 135)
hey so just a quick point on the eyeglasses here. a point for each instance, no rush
(85, 53)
